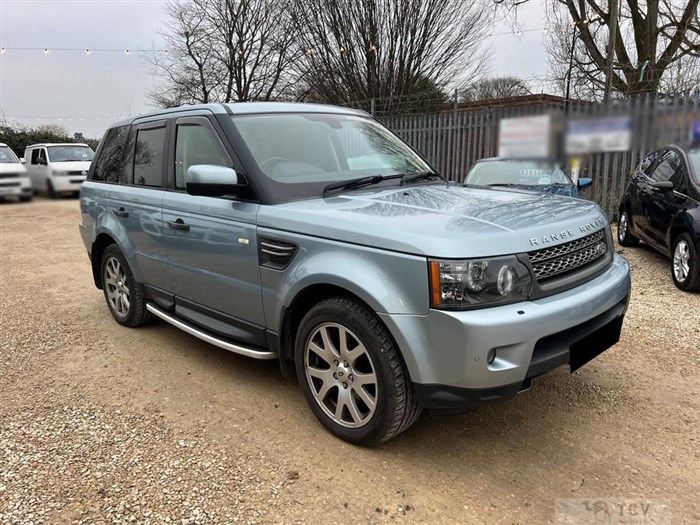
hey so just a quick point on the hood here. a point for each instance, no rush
(441, 220)
(71, 166)
(12, 167)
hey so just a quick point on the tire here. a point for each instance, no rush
(624, 234)
(25, 198)
(370, 352)
(118, 282)
(685, 264)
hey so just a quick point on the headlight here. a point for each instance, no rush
(478, 282)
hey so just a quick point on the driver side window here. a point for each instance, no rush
(668, 166)
(195, 144)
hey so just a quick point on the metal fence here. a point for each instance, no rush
(453, 138)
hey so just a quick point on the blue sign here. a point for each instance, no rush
(695, 132)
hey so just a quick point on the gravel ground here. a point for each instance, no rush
(103, 424)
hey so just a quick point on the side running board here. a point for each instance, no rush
(211, 339)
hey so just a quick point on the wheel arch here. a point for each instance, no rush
(301, 303)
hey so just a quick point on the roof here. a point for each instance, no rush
(46, 144)
(248, 108)
(3, 144)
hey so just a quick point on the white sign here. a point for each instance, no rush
(525, 137)
(598, 135)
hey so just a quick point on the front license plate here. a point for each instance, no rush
(594, 344)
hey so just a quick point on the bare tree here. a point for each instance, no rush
(385, 49)
(653, 38)
(223, 51)
(491, 88)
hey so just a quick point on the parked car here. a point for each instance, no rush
(14, 182)
(58, 169)
(539, 175)
(312, 235)
(661, 206)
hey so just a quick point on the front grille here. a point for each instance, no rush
(563, 258)
(276, 254)
(10, 185)
(73, 173)
(10, 175)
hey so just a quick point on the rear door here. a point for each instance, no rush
(211, 242)
(136, 203)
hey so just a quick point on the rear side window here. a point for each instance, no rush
(148, 157)
(110, 166)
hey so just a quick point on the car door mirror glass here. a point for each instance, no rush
(584, 182)
(211, 181)
(21, 159)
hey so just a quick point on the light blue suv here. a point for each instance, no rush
(313, 235)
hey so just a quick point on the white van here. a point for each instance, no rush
(14, 181)
(58, 168)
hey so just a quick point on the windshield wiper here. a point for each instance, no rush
(354, 183)
(415, 177)
(505, 184)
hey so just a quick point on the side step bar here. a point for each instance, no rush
(221, 343)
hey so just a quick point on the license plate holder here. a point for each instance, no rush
(594, 344)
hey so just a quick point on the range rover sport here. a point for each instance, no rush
(312, 235)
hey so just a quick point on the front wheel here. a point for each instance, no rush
(685, 265)
(352, 375)
(624, 235)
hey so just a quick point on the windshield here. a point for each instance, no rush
(516, 172)
(302, 153)
(7, 156)
(70, 154)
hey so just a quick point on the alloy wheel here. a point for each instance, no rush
(622, 227)
(117, 287)
(681, 261)
(341, 375)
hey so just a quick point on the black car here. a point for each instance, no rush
(661, 206)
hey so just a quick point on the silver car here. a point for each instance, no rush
(312, 235)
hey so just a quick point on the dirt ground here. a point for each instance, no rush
(105, 424)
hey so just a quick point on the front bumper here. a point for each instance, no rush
(446, 352)
(67, 183)
(16, 187)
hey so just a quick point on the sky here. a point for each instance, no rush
(86, 92)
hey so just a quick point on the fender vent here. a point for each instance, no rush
(275, 254)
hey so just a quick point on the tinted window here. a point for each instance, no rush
(648, 162)
(148, 157)
(37, 154)
(195, 144)
(518, 172)
(668, 168)
(110, 165)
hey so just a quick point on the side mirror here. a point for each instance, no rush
(211, 181)
(662, 185)
(41, 162)
(584, 183)
(21, 159)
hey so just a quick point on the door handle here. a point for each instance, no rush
(180, 225)
(121, 212)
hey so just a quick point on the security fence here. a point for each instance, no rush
(454, 135)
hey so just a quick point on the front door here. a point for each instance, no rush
(37, 168)
(660, 205)
(211, 243)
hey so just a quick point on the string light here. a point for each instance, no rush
(127, 51)
(46, 51)
(2, 50)
(87, 51)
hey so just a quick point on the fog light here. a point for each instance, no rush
(491, 356)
